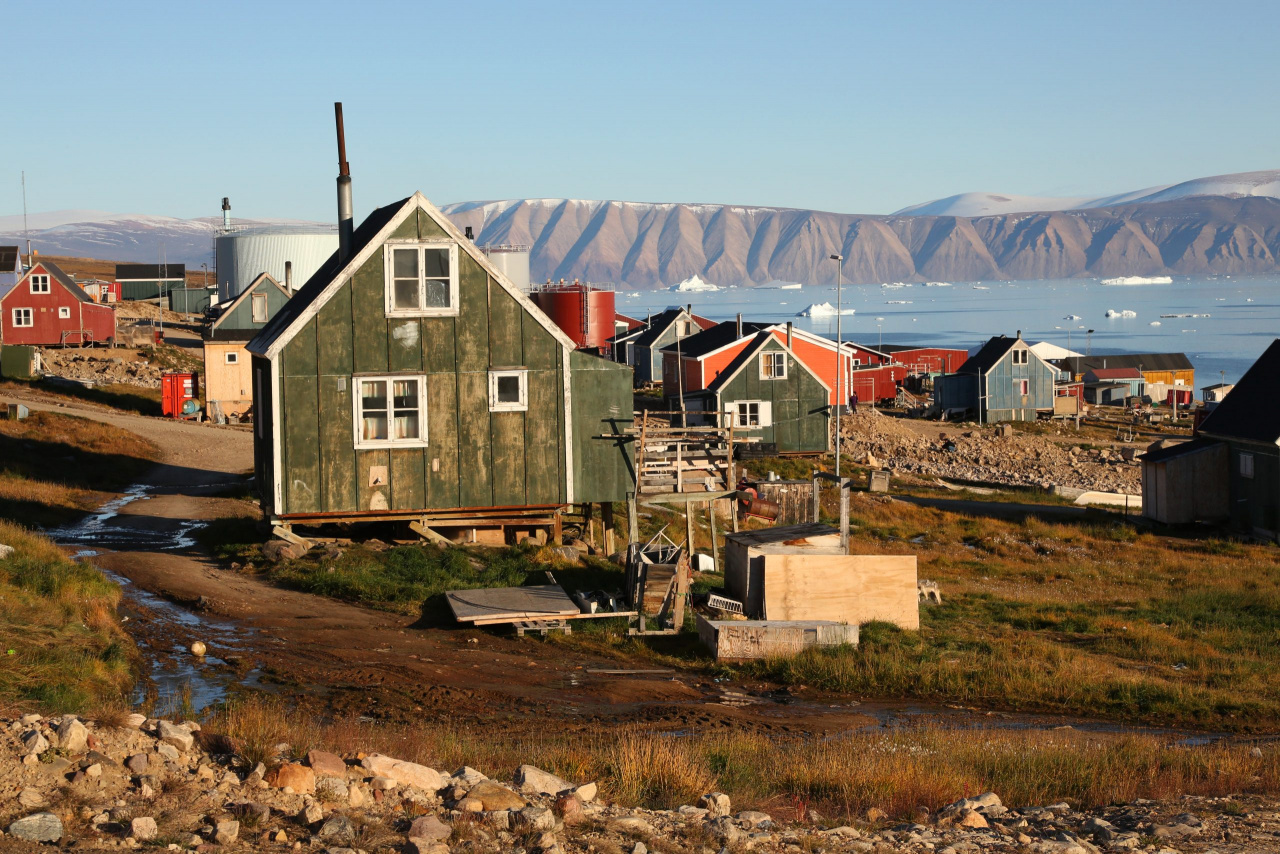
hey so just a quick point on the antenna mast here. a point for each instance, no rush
(26, 233)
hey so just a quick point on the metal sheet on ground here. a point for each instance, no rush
(511, 603)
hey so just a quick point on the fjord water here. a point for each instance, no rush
(1244, 315)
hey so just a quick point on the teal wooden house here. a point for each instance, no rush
(228, 380)
(411, 380)
(1004, 381)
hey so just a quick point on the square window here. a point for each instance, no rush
(751, 413)
(390, 411)
(773, 366)
(64, 312)
(232, 358)
(23, 317)
(421, 279)
(509, 390)
(1246, 465)
(40, 284)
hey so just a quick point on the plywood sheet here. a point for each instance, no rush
(511, 603)
(853, 589)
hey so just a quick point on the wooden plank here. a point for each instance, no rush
(337, 445)
(408, 478)
(472, 338)
(475, 464)
(511, 603)
(404, 345)
(506, 331)
(301, 430)
(300, 358)
(370, 495)
(507, 430)
(852, 589)
(442, 434)
(334, 328)
(439, 354)
(544, 439)
(368, 316)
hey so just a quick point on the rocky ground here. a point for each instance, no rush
(983, 454)
(157, 783)
(101, 366)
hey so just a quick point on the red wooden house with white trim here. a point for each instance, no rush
(47, 308)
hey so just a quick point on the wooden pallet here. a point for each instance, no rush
(542, 627)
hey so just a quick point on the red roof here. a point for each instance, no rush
(1117, 373)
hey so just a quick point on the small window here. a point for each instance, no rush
(1246, 465)
(23, 317)
(421, 279)
(390, 411)
(40, 284)
(1020, 357)
(64, 312)
(751, 414)
(259, 308)
(1023, 387)
(509, 391)
(857, 363)
(684, 329)
(232, 358)
(773, 366)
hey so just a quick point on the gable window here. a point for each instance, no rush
(259, 308)
(1020, 357)
(390, 411)
(40, 284)
(684, 329)
(509, 390)
(64, 312)
(23, 317)
(232, 358)
(421, 279)
(751, 414)
(1022, 387)
(773, 366)
(1246, 465)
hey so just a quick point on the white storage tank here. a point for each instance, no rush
(512, 260)
(241, 255)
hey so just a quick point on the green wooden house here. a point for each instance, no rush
(409, 379)
(768, 394)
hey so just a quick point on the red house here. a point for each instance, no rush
(47, 308)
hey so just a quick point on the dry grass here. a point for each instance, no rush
(894, 771)
(62, 645)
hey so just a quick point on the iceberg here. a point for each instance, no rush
(981, 288)
(1185, 315)
(897, 302)
(1139, 280)
(1154, 323)
(694, 284)
(937, 284)
(1073, 317)
(1111, 312)
(823, 309)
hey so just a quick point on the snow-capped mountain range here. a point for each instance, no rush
(1223, 224)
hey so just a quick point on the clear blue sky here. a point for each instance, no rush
(164, 108)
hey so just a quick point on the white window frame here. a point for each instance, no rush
(1246, 465)
(64, 312)
(388, 283)
(254, 301)
(30, 316)
(778, 357)
(1021, 357)
(764, 414)
(1022, 387)
(40, 283)
(357, 411)
(522, 375)
(231, 357)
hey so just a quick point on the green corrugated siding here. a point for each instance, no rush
(240, 318)
(190, 300)
(16, 361)
(142, 289)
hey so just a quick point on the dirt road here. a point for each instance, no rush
(348, 659)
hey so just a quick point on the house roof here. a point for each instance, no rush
(710, 340)
(10, 259)
(58, 275)
(150, 272)
(985, 359)
(1103, 386)
(1168, 452)
(748, 355)
(1216, 386)
(1144, 361)
(373, 231)
(264, 279)
(1252, 410)
(1116, 373)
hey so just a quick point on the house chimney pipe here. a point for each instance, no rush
(346, 217)
(790, 328)
(739, 328)
(288, 277)
(226, 213)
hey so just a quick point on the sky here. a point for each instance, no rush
(164, 108)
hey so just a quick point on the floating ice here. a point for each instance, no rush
(694, 283)
(1111, 312)
(1154, 323)
(1139, 280)
(823, 309)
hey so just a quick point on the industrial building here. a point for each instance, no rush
(148, 281)
(585, 312)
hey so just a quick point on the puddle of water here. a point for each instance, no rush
(173, 671)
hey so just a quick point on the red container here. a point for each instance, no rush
(586, 314)
(176, 392)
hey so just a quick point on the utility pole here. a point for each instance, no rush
(839, 362)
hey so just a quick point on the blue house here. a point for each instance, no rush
(1004, 381)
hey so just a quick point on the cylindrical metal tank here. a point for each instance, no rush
(241, 256)
(584, 312)
(512, 260)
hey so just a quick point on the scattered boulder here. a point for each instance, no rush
(282, 550)
(536, 818)
(715, 803)
(226, 832)
(298, 778)
(326, 764)
(40, 827)
(494, 796)
(569, 808)
(586, 792)
(73, 736)
(34, 743)
(31, 799)
(404, 773)
(179, 737)
(337, 830)
(539, 782)
(430, 828)
(753, 818)
(143, 829)
(331, 790)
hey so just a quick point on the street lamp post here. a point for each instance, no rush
(839, 361)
